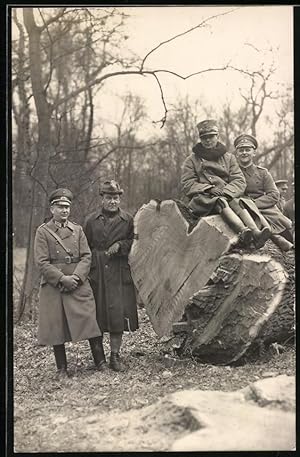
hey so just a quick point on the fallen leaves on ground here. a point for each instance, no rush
(45, 408)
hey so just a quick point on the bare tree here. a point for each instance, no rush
(47, 30)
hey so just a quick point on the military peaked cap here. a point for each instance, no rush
(245, 140)
(111, 187)
(61, 196)
(279, 182)
(208, 127)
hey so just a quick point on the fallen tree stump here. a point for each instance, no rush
(195, 280)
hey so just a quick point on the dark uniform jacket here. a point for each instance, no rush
(110, 277)
(64, 316)
(262, 190)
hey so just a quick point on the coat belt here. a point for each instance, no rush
(67, 259)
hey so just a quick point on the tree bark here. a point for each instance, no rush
(40, 170)
(226, 297)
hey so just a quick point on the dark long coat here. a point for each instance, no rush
(199, 175)
(64, 316)
(262, 189)
(110, 277)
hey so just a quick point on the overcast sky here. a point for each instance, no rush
(243, 38)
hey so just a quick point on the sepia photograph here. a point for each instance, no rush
(152, 160)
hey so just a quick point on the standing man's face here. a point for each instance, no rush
(111, 203)
(283, 190)
(60, 212)
(209, 141)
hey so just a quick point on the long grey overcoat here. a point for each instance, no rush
(110, 277)
(262, 189)
(199, 175)
(64, 316)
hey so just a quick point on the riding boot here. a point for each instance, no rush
(115, 363)
(96, 345)
(245, 234)
(281, 242)
(287, 234)
(259, 236)
(60, 360)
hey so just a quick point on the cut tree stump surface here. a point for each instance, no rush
(195, 270)
(169, 263)
(230, 314)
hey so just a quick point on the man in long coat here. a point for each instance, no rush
(67, 306)
(262, 191)
(109, 232)
(212, 181)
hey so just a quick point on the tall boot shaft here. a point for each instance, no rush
(96, 345)
(60, 356)
(260, 236)
(237, 225)
(281, 242)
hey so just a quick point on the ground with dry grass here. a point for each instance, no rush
(48, 414)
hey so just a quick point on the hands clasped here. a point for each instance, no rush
(68, 283)
(215, 192)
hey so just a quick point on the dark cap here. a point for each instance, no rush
(245, 140)
(208, 127)
(279, 182)
(111, 187)
(61, 196)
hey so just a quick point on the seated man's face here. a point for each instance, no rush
(209, 141)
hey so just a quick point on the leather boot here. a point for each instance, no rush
(259, 236)
(115, 363)
(61, 361)
(281, 242)
(245, 234)
(96, 345)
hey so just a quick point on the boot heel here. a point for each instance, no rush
(262, 237)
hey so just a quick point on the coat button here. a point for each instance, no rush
(106, 266)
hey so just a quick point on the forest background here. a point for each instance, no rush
(115, 93)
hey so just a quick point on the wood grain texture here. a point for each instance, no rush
(228, 314)
(168, 264)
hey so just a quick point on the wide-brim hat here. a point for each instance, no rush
(245, 140)
(207, 127)
(61, 195)
(111, 187)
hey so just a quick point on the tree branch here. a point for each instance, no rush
(60, 14)
(202, 24)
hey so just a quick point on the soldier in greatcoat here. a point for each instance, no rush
(261, 190)
(109, 231)
(67, 306)
(212, 182)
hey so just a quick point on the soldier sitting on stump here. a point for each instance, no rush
(67, 305)
(263, 193)
(212, 182)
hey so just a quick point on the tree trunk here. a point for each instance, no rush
(195, 271)
(21, 180)
(40, 170)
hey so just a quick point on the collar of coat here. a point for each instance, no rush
(249, 170)
(209, 154)
(120, 213)
(54, 225)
